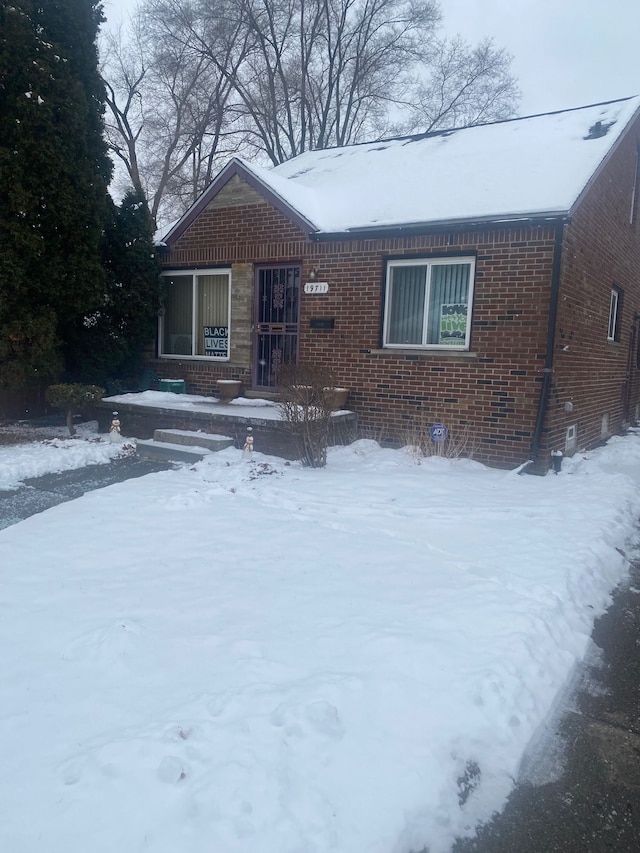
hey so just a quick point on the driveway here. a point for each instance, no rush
(40, 493)
(580, 790)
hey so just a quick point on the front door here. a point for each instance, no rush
(277, 322)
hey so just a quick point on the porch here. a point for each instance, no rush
(141, 414)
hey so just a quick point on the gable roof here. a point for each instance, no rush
(532, 167)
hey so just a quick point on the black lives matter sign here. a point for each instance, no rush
(216, 341)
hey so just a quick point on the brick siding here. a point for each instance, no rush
(493, 391)
(601, 249)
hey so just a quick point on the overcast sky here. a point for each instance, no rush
(566, 53)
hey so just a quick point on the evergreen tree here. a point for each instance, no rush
(108, 343)
(54, 172)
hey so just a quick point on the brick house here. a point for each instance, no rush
(487, 278)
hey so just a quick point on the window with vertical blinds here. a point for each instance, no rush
(428, 303)
(196, 321)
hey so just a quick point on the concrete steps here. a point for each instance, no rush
(180, 445)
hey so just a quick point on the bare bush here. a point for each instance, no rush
(306, 403)
(378, 433)
(461, 441)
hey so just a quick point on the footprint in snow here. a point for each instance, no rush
(324, 718)
(106, 644)
(171, 770)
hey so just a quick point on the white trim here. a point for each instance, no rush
(429, 263)
(614, 306)
(195, 273)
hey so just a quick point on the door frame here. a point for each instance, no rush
(266, 327)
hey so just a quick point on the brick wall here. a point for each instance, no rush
(493, 391)
(490, 393)
(601, 248)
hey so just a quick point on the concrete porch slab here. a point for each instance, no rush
(141, 414)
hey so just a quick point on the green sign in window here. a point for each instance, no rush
(453, 323)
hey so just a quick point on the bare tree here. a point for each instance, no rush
(123, 72)
(355, 63)
(167, 115)
(314, 73)
(273, 78)
(463, 85)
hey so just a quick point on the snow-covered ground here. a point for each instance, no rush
(251, 656)
(58, 452)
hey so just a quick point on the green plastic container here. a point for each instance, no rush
(174, 386)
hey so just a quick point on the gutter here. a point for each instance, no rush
(373, 232)
(551, 339)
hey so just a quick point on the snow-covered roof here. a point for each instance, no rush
(162, 231)
(527, 167)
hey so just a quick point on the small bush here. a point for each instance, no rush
(306, 403)
(73, 399)
(461, 442)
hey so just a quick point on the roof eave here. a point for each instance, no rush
(235, 167)
(438, 226)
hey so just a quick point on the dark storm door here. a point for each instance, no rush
(277, 322)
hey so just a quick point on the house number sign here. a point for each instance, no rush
(316, 287)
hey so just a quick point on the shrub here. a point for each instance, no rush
(306, 403)
(461, 441)
(73, 398)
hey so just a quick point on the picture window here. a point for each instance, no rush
(428, 303)
(196, 318)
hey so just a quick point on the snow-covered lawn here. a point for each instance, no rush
(252, 656)
(59, 452)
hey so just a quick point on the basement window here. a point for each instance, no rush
(615, 311)
(195, 321)
(428, 303)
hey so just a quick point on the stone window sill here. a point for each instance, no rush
(420, 354)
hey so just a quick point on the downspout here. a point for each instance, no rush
(551, 339)
(631, 358)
